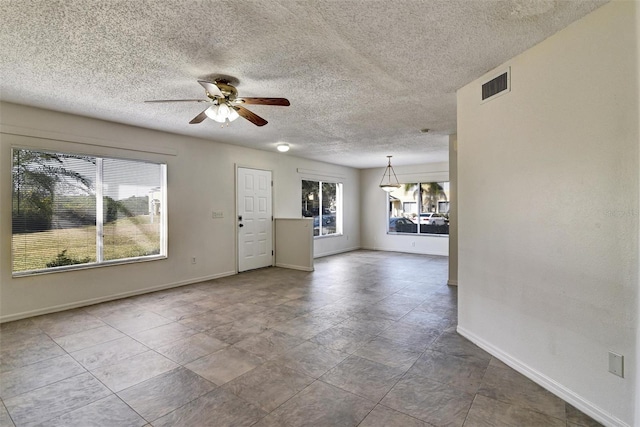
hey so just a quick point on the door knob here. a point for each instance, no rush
(240, 225)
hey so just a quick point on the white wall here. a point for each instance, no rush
(637, 374)
(373, 202)
(294, 243)
(195, 170)
(453, 211)
(548, 213)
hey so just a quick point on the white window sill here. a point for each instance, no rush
(87, 266)
(327, 236)
(395, 233)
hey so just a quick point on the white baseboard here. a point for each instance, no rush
(294, 267)
(544, 381)
(91, 301)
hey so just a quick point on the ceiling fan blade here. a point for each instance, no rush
(284, 102)
(199, 118)
(252, 117)
(177, 100)
(211, 88)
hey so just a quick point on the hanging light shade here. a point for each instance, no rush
(221, 113)
(233, 114)
(213, 113)
(388, 183)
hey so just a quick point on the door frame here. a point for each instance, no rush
(235, 213)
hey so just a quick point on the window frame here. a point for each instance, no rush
(339, 205)
(163, 228)
(418, 202)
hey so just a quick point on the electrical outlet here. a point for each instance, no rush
(413, 244)
(193, 260)
(616, 364)
(217, 214)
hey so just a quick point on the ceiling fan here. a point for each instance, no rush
(226, 106)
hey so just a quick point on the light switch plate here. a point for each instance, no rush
(616, 364)
(217, 214)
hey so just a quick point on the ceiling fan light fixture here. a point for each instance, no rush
(283, 148)
(221, 113)
(213, 113)
(225, 105)
(223, 110)
(387, 183)
(233, 114)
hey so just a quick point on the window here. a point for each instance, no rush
(420, 208)
(73, 210)
(322, 201)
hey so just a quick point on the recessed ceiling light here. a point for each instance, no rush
(283, 148)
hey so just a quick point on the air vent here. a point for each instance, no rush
(498, 85)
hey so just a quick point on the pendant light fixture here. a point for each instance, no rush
(387, 183)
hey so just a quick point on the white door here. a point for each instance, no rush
(255, 230)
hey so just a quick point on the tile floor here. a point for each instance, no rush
(368, 339)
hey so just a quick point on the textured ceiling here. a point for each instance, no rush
(363, 76)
